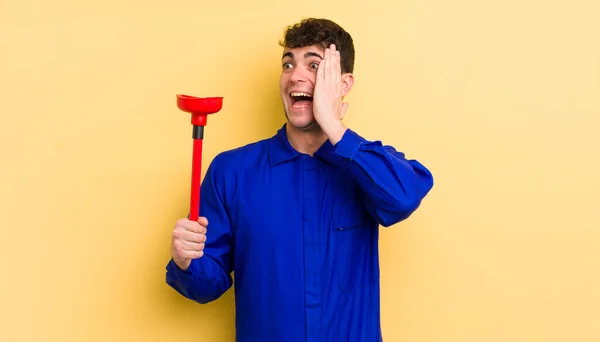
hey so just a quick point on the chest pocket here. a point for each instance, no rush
(355, 245)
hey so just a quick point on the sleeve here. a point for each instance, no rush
(208, 277)
(394, 186)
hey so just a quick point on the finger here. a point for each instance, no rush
(192, 246)
(330, 62)
(338, 64)
(181, 237)
(195, 228)
(186, 223)
(196, 254)
(335, 56)
(335, 66)
(190, 254)
(192, 236)
(321, 68)
(203, 221)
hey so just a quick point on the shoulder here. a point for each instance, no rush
(240, 157)
(229, 168)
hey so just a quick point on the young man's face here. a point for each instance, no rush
(297, 84)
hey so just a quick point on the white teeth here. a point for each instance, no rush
(301, 94)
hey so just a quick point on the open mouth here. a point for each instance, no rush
(301, 100)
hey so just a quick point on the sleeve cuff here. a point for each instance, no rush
(177, 273)
(349, 144)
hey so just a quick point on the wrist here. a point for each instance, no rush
(183, 264)
(334, 129)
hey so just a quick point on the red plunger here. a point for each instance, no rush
(199, 108)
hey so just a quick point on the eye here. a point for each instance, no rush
(287, 65)
(314, 65)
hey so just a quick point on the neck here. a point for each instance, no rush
(305, 141)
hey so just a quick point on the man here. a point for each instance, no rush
(296, 216)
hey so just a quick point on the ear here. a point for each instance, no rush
(347, 83)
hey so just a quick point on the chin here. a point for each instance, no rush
(302, 122)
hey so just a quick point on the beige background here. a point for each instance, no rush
(500, 99)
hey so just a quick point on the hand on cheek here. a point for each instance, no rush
(328, 107)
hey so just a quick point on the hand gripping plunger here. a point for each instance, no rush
(199, 108)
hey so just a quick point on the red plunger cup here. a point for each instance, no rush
(199, 108)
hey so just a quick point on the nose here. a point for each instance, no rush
(299, 75)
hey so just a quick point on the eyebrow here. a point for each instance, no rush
(306, 55)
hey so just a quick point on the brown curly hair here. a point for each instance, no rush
(323, 33)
